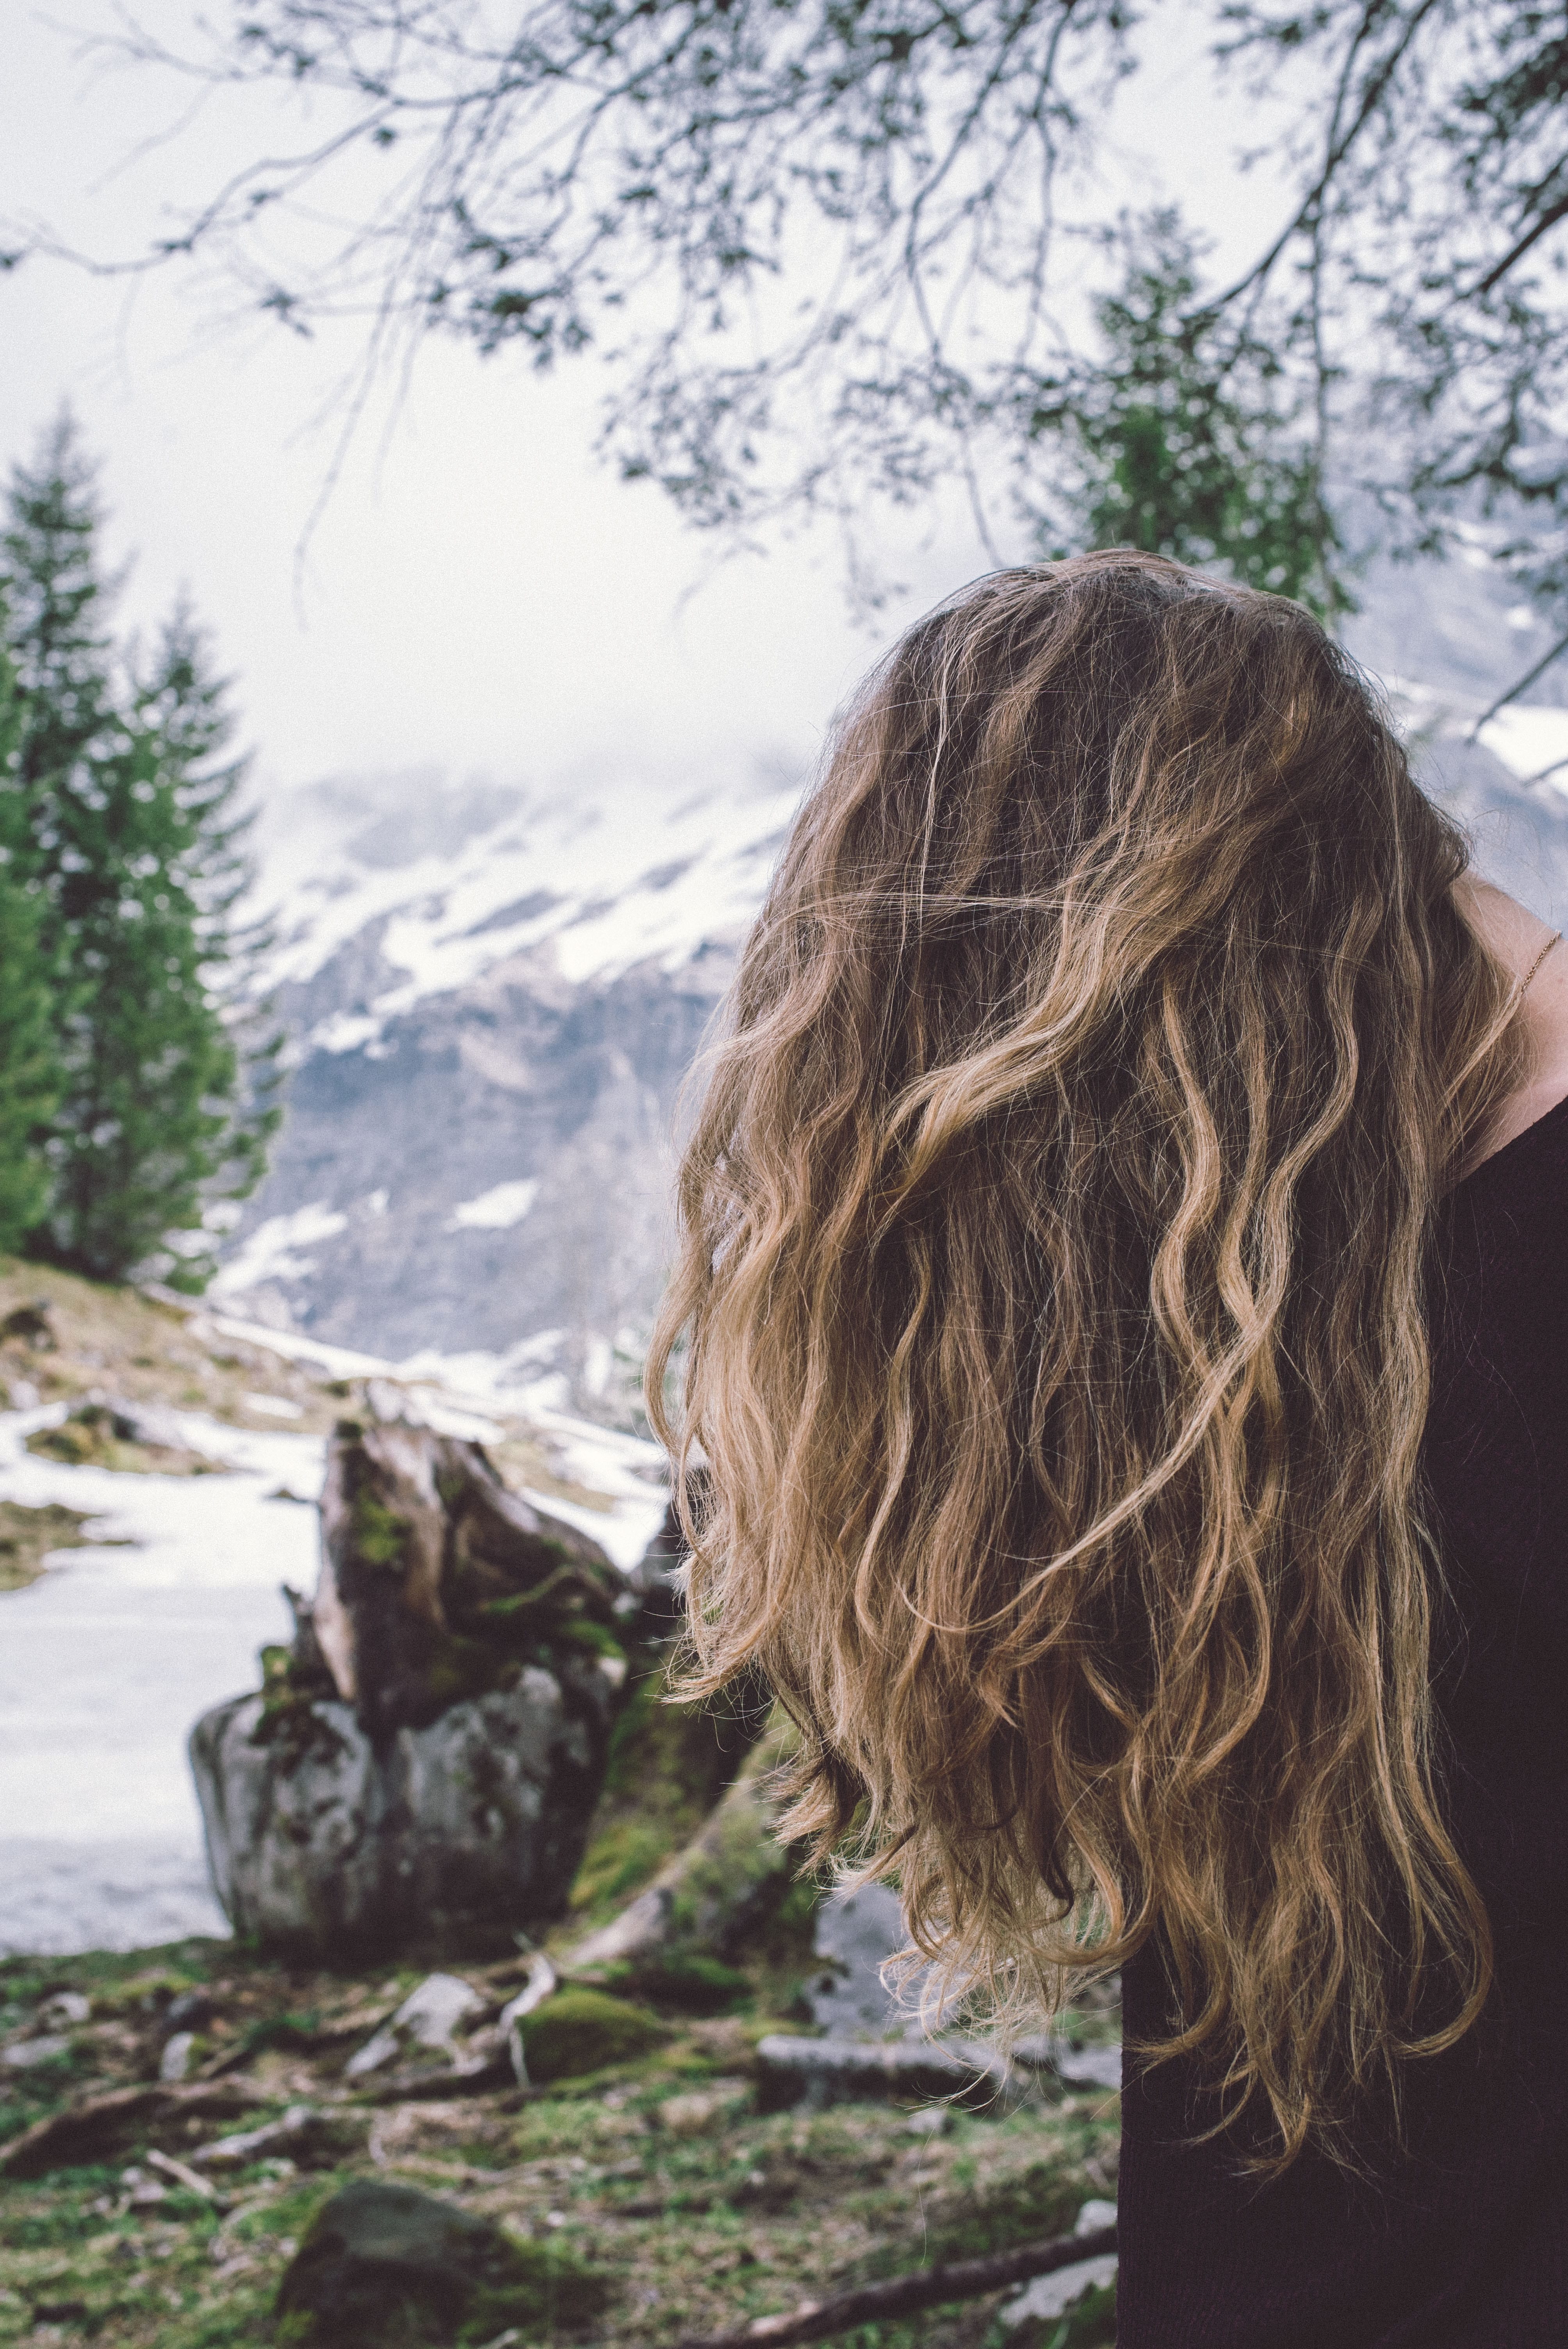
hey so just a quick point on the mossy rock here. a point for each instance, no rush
(385, 2267)
(581, 2029)
(688, 1980)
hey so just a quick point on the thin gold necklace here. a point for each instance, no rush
(1555, 939)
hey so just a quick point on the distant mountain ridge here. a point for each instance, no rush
(493, 996)
(492, 999)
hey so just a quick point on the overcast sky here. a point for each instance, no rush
(479, 595)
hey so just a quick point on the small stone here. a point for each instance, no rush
(1097, 2213)
(431, 2013)
(428, 2018)
(191, 2011)
(1053, 2295)
(931, 2120)
(379, 2050)
(26, 2053)
(1089, 2067)
(33, 1324)
(177, 2057)
(66, 2008)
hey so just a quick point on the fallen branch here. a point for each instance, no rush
(103, 2127)
(183, 2175)
(814, 2319)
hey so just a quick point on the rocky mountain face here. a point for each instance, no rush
(493, 998)
(493, 1002)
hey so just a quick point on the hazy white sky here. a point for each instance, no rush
(477, 593)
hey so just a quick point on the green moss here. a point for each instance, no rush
(619, 1862)
(688, 1980)
(380, 1535)
(295, 2031)
(739, 1871)
(665, 1769)
(581, 2031)
(597, 1639)
(546, 1597)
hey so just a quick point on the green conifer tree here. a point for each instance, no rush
(134, 840)
(1183, 438)
(29, 1072)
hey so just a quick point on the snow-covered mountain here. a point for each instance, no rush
(493, 998)
(494, 994)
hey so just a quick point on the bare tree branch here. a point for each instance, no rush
(905, 2295)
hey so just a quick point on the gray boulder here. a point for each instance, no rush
(442, 1839)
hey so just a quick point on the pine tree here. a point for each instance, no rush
(29, 1075)
(1183, 439)
(132, 836)
(58, 624)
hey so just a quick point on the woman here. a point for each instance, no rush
(1125, 1262)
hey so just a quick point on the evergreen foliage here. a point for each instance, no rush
(1177, 438)
(130, 838)
(29, 1072)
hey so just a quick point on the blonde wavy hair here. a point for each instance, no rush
(1054, 1259)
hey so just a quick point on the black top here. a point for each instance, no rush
(1462, 2243)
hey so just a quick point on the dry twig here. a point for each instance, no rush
(815, 2319)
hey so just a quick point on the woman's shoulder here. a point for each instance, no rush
(1534, 952)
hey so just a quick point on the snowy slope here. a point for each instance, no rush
(494, 994)
(455, 882)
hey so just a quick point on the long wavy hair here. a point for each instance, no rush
(1053, 1264)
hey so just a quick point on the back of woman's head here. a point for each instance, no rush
(1055, 1237)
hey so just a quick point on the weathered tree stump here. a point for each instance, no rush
(419, 1769)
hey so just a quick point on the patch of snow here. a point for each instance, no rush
(345, 1031)
(463, 1394)
(602, 887)
(1527, 737)
(270, 1252)
(496, 1210)
(274, 1406)
(108, 1658)
(338, 1361)
(623, 1533)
